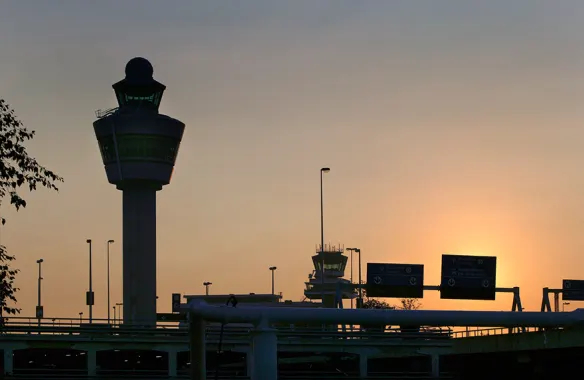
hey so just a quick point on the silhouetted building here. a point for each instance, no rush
(139, 147)
(332, 287)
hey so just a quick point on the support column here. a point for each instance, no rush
(172, 363)
(265, 353)
(139, 255)
(249, 363)
(198, 357)
(435, 366)
(8, 361)
(91, 362)
(363, 362)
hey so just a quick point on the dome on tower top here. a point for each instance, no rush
(138, 88)
(139, 70)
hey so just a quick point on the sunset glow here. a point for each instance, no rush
(444, 132)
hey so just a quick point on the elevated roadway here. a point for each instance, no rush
(470, 342)
(501, 340)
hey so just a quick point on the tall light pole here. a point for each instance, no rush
(90, 292)
(39, 311)
(360, 281)
(120, 310)
(564, 304)
(351, 276)
(206, 284)
(351, 249)
(114, 314)
(322, 171)
(273, 269)
(359, 269)
(80, 317)
(108, 280)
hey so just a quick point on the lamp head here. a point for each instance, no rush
(110, 242)
(88, 241)
(206, 283)
(325, 170)
(273, 268)
(40, 261)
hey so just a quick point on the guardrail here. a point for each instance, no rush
(71, 322)
(72, 326)
(125, 376)
(67, 325)
(282, 376)
(307, 375)
(480, 332)
(103, 113)
(36, 374)
(212, 333)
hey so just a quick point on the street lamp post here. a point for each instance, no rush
(90, 292)
(564, 304)
(351, 249)
(39, 302)
(359, 269)
(206, 284)
(360, 280)
(80, 317)
(108, 280)
(322, 171)
(351, 275)
(114, 314)
(120, 310)
(273, 269)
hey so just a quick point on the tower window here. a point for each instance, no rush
(139, 147)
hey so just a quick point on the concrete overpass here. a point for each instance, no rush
(369, 351)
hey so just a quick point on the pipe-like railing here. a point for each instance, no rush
(257, 315)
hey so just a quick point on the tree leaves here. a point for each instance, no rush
(16, 166)
(372, 303)
(17, 169)
(7, 288)
(405, 303)
(409, 304)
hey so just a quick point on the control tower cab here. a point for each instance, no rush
(328, 284)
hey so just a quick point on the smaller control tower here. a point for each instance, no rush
(327, 288)
(138, 147)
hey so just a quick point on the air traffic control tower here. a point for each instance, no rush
(139, 147)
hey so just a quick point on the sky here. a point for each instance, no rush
(449, 127)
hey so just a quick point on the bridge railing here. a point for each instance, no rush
(336, 375)
(75, 326)
(479, 332)
(71, 322)
(213, 333)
